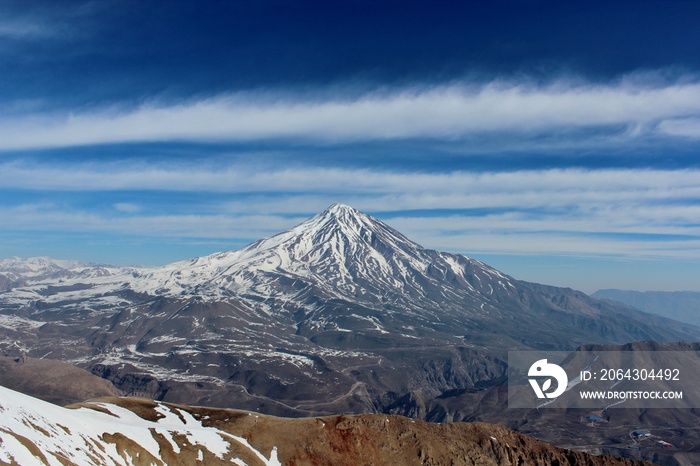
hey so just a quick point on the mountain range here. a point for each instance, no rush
(683, 306)
(339, 314)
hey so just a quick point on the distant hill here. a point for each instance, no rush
(52, 380)
(683, 306)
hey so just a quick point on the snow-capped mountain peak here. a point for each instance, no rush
(340, 253)
(337, 249)
(341, 226)
(352, 222)
(338, 209)
(337, 223)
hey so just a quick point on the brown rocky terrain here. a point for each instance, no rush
(371, 439)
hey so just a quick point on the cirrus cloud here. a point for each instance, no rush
(641, 212)
(441, 111)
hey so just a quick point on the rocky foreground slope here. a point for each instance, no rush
(130, 431)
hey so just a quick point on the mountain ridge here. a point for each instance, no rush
(683, 306)
(117, 431)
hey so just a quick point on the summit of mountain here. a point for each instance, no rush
(340, 253)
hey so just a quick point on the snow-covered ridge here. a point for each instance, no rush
(340, 248)
(38, 265)
(42, 267)
(33, 432)
(319, 247)
(36, 270)
(342, 252)
(23, 281)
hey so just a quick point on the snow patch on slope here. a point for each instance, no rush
(35, 432)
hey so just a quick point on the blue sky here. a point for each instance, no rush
(557, 141)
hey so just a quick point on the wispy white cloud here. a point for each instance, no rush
(444, 111)
(127, 207)
(493, 234)
(688, 127)
(57, 218)
(32, 21)
(24, 30)
(637, 212)
(410, 189)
